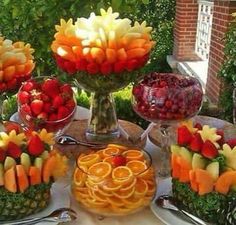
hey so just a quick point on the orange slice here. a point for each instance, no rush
(141, 188)
(100, 153)
(95, 203)
(113, 200)
(133, 155)
(100, 170)
(122, 172)
(79, 177)
(120, 210)
(108, 159)
(128, 186)
(124, 194)
(121, 147)
(88, 160)
(148, 174)
(103, 192)
(109, 185)
(98, 196)
(137, 167)
(132, 202)
(111, 151)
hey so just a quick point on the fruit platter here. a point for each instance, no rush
(29, 165)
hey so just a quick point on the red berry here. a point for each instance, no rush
(120, 66)
(198, 126)
(28, 86)
(25, 109)
(163, 83)
(47, 107)
(66, 91)
(119, 160)
(222, 139)
(231, 142)
(92, 68)
(62, 112)
(57, 101)
(23, 97)
(12, 84)
(45, 98)
(168, 104)
(36, 106)
(209, 150)
(42, 116)
(52, 117)
(132, 65)
(13, 150)
(184, 135)
(70, 67)
(50, 87)
(35, 146)
(9, 126)
(70, 104)
(196, 143)
(2, 155)
(106, 68)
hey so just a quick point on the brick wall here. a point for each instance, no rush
(185, 30)
(221, 18)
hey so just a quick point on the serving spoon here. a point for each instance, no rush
(69, 140)
(167, 202)
(61, 215)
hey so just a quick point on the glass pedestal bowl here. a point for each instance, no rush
(114, 181)
(38, 110)
(166, 99)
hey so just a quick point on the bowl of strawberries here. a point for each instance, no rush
(45, 102)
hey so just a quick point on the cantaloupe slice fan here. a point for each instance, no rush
(102, 44)
(16, 63)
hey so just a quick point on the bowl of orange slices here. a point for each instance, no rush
(114, 181)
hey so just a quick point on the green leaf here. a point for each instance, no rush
(116, 4)
(15, 12)
(145, 2)
(6, 2)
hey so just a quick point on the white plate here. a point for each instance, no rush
(166, 216)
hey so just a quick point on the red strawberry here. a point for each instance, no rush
(28, 86)
(198, 126)
(70, 67)
(47, 107)
(62, 112)
(209, 150)
(13, 150)
(11, 84)
(23, 97)
(92, 68)
(2, 155)
(9, 126)
(106, 68)
(119, 160)
(51, 87)
(132, 65)
(119, 66)
(25, 109)
(81, 65)
(42, 116)
(36, 106)
(66, 91)
(57, 101)
(28, 132)
(44, 98)
(222, 139)
(3, 87)
(70, 104)
(184, 135)
(52, 117)
(35, 146)
(231, 142)
(196, 143)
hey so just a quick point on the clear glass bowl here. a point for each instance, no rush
(106, 184)
(57, 126)
(167, 97)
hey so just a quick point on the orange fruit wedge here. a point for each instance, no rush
(124, 194)
(115, 201)
(79, 176)
(110, 151)
(121, 147)
(88, 160)
(141, 188)
(129, 186)
(122, 172)
(109, 185)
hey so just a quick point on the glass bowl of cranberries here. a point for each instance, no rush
(45, 102)
(166, 98)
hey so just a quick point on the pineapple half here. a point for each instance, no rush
(204, 174)
(28, 166)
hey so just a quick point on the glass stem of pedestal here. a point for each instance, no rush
(164, 170)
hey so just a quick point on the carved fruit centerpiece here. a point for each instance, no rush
(116, 180)
(28, 167)
(104, 53)
(204, 172)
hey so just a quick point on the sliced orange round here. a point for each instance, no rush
(88, 160)
(105, 193)
(124, 194)
(121, 210)
(136, 166)
(133, 202)
(98, 196)
(113, 200)
(79, 177)
(128, 186)
(122, 172)
(100, 170)
(109, 185)
(109, 159)
(141, 188)
(133, 155)
(95, 203)
(151, 187)
(121, 147)
(100, 153)
(148, 174)
(111, 151)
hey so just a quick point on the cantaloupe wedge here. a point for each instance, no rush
(10, 180)
(121, 54)
(20, 69)
(1, 174)
(9, 73)
(35, 175)
(225, 181)
(66, 52)
(205, 181)
(29, 66)
(175, 166)
(98, 54)
(22, 179)
(111, 55)
(48, 168)
(135, 53)
(193, 183)
(10, 61)
(69, 41)
(185, 167)
(136, 43)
